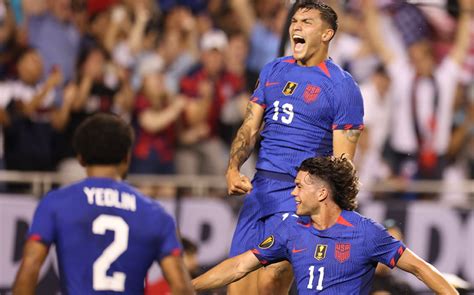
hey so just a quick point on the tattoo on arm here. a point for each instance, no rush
(352, 135)
(244, 141)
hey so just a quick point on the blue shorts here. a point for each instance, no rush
(269, 203)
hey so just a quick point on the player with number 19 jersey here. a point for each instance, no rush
(337, 260)
(302, 106)
(109, 235)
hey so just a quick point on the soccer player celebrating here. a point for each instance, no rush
(309, 106)
(107, 234)
(333, 250)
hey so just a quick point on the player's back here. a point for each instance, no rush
(106, 234)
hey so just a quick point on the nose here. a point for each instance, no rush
(293, 192)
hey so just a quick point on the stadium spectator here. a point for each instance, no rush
(424, 94)
(309, 106)
(33, 115)
(51, 31)
(331, 247)
(156, 113)
(97, 223)
(94, 94)
(207, 86)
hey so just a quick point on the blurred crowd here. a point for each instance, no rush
(182, 71)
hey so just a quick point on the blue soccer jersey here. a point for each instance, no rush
(107, 234)
(338, 260)
(303, 105)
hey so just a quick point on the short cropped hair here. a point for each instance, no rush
(339, 173)
(103, 139)
(328, 15)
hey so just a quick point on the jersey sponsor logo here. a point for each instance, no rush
(311, 93)
(320, 252)
(342, 252)
(289, 88)
(267, 243)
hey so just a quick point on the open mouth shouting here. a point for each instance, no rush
(298, 43)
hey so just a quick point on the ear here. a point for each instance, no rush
(327, 35)
(81, 160)
(322, 193)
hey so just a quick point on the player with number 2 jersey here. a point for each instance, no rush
(107, 234)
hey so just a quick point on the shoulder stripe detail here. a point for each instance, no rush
(176, 252)
(343, 221)
(289, 60)
(324, 68)
(35, 237)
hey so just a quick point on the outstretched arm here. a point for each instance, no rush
(461, 43)
(176, 275)
(228, 271)
(242, 147)
(34, 255)
(425, 272)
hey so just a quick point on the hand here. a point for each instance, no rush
(69, 94)
(55, 78)
(141, 13)
(179, 102)
(237, 184)
(206, 89)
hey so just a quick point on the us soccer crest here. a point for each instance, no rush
(311, 93)
(289, 88)
(320, 252)
(267, 243)
(342, 252)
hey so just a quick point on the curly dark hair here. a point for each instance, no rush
(328, 15)
(340, 174)
(103, 139)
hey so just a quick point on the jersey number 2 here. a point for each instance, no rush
(311, 278)
(100, 280)
(287, 108)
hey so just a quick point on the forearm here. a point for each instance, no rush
(60, 117)
(84, 90)
(461, 44)
(425, 272)
(434, 280)
(25, 282)
(155, 121)
(221, 275)
(242, 147)
(31, 107)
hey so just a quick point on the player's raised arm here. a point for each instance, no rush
(241, 148)
(228, 271)
(34, 255)
(176, 275)
(425, 272)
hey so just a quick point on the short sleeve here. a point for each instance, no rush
(272, 249)
(43, 228)
(348, 106)
(381, 246)
(168, 238)
(258, 95)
